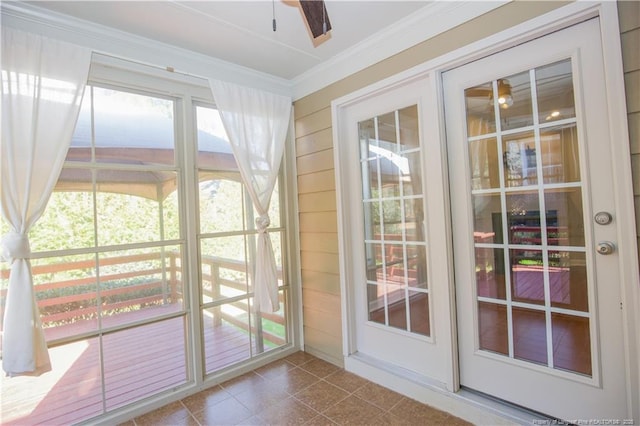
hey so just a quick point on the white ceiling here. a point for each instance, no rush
(241, 32)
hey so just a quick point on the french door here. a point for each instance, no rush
(537, 273)
(397, 281)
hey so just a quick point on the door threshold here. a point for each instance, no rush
(469, 405)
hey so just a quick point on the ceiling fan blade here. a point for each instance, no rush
(315, 13)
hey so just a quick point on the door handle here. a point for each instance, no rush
(606, 247)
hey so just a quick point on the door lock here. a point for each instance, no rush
(603, 218)
(606, 247)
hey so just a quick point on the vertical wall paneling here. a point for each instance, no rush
(629, 18)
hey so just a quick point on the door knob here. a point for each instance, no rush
(606, 247)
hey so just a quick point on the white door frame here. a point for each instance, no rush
(624, 202)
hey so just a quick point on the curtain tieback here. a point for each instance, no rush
(262, 223)
(15, 246)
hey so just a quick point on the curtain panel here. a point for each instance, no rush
(43, 81)
(256, 123)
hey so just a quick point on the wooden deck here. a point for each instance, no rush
(138, 363)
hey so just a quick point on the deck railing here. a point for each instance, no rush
(139, 281)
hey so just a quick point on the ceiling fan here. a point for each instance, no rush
(315, 15)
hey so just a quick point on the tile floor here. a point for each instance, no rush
(297, 390)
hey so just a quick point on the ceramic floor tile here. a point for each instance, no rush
(242, 383)
(320, 420)
(346, 381)
(319, 367)
(261, 396)
(378, 395)
(321, 395)
(174, 414)
(226, 412)
(292, 392)
(388, 419)
(300, 358)
(288, 412)
(275, 369)
(410, 410)
(295, 380)
(353, 411)
(199, 401)
(456, 421)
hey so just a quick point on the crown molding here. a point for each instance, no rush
(112, 42)
(434, 19)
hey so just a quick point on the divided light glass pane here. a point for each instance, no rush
(67, 221)
(568, 280)
(519, 153)
(554, 83)
(394, 261)
(392, 220)
(373, 253)
(419, 313)
(390, 169)
(571, 343)
(413, 221)
(132, 128)
(66, 288)
(370, 188)
(560, 154)
(417, 266)
(529, 335)
(226, 335)
(483, 159)
(565, 223)
(487, 218)
(490, 277)
(387, 138)
(397, 306)
(409, 134)
(367, 137)
(224, 268)
(221, 204)
(146, 282)
(481, 118)
(375, 302)
(214, 149)
(268, 330)
(514, 101)
(492, 328)
(139, 194)
(527, 276)
(129, 373)
(372, 222)
(411, 168)
(523, 217)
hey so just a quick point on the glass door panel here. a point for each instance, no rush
(393, 211)
(533, 196)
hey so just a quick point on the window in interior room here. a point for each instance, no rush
(107, 263)
(233, 331)
(112, 260)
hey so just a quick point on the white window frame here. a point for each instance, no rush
(187, 92)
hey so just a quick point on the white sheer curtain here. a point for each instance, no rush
(42, 85)
(256, 123)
